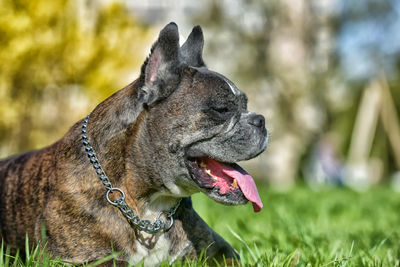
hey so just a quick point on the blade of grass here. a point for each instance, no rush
(105, 259)
(27, 252)
(244, 243)
(7, 257)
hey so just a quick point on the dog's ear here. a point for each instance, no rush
(161, 69)
(192, 49)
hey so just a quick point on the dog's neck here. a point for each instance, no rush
(113, 129)
(111, 119)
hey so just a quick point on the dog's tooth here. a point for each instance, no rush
(212, 176)
(234, 184)
(202, 164)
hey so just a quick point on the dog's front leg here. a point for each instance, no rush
(190, 236)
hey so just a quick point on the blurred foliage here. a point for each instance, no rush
(57, 58)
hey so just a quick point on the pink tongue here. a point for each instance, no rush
(244, 180)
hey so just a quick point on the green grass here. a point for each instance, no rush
(332, 227)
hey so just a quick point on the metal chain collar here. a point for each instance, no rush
(143, 225)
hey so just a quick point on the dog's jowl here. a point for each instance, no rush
(121, 178)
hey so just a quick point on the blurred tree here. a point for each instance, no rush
(57, 60)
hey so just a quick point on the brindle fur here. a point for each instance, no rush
(57, 188)
(134, 133)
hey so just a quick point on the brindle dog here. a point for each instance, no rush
(177, 130)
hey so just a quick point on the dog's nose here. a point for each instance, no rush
(257, 120)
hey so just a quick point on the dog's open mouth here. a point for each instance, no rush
(228, 180)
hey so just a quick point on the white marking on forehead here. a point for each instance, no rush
(233, 89)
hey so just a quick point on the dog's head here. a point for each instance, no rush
(197, 123)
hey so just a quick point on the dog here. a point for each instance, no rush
(121, 178)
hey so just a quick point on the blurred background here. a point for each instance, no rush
(324, 73)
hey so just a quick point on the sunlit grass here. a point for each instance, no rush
(332, 227)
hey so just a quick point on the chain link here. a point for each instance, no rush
(143, 225)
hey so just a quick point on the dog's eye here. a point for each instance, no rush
(221, 110)
(219, 113)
